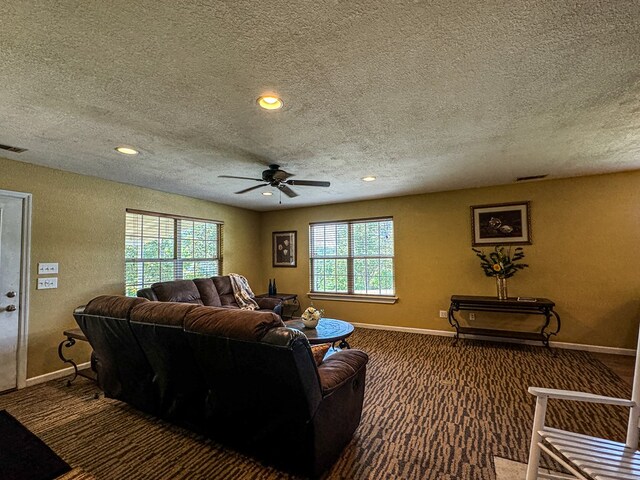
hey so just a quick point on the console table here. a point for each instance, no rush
(534, 306)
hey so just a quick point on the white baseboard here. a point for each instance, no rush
(55, 375)
(444, 333)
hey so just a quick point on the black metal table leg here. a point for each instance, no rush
(344, 344)
(453, 321)
(68, 343)
(547, 335)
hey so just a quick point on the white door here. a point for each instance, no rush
(10, 248)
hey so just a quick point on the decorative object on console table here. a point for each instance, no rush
(501, 287)
(284, 249)
(501, 224)
(501, 265)
(270, 287)
(275, 288)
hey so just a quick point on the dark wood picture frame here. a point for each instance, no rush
(501, 224)
(285, 249)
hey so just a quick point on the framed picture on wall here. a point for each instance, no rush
(501, 224)
(284, 249)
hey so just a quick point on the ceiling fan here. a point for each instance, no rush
(279, 179)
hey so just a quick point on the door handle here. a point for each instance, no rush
(10, 308)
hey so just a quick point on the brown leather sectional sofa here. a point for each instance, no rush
(240, 377)
(214, 292)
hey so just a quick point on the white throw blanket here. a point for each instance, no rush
(242, 292)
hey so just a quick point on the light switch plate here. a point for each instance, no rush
(49, 282)
(47, 268)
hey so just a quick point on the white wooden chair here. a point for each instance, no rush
(587, 458)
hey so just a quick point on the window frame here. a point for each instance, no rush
(177, 260)
(350, 296)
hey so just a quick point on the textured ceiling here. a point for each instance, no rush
(427, 96)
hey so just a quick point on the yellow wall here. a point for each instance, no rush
(79, 221)
(584, 256)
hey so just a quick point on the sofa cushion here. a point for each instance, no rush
(208, 293)
(246, 325)
(183, 291)
(225, 290)
(113, 306)
(161, 313)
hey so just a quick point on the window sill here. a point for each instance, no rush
(344, 297)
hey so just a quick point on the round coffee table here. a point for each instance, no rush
(329, 330)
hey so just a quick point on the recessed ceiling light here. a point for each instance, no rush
(267, 194)
(368, 179)
(270, 102)
(127, 150)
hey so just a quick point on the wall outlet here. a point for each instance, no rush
(443, 314)
(472, 316)
(47, 268)
(49, 282)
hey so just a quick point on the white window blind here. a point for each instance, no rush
(352, 257)
(161, 247)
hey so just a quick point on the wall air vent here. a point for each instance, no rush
(531, 177)
(12, 149)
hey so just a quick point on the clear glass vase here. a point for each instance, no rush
(501, 286)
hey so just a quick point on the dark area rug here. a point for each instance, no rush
(23, 456)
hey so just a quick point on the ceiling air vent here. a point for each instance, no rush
(12, 149)
(531, 177)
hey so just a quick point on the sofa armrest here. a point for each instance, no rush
(337, 369)
(147, 293)
(283, 337)
(338, 415)
(267, 303)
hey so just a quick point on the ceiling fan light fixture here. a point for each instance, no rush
(270, 102)
(369, 178)
(123, 149)
(267, 194)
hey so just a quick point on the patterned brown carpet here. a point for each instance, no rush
(432, 411)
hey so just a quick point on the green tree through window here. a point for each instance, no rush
(161, 247)
(352, 257)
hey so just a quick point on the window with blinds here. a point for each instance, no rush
(352, 257)
(160, 247)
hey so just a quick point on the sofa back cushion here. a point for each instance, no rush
(261, 377)
(158, 327)
(183, 291)
(208, 293)
(123, 370)
(225, 291)
(245, 325)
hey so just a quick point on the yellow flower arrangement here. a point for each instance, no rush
(500, 263)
